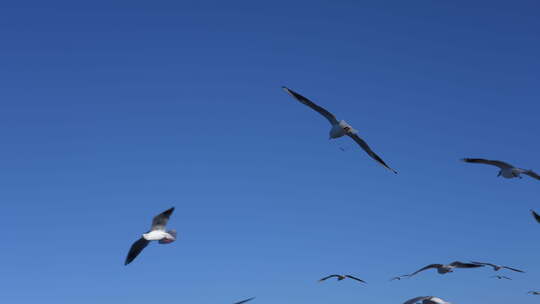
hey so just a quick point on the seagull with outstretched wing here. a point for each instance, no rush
(500, 277)
(339, 128)
(506, 170)
(342, 277)
(157, 233)
(443, 269)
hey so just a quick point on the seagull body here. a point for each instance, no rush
(339, 128)
(506, 169)
(500, 277)
(443, 269)
(426, 300)
(342, 277)
(536, 293)
(156, 233)
(535, 215)
(497, 267)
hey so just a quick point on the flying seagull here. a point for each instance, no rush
(497, 267)
(399, 277)
(339, 128)
(506, 170)
(500, 277)
(342, 277)
(245, 301)
(536, 216)
(156, 233)
(426, 300)
(442, 269)
(536, 293)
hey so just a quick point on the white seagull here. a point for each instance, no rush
(497, 267)
(506, 170)
(500, 277)
(443, 269)
(339, 128)
(535, 293)
(426, 300)
(156, 233)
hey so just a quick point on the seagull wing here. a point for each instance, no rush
(497, 163)
(355, 278)
(531, 173)
(328, 277)
(416, 300)
(160, 221)
(485, 264)
(425, 268)
(368, 150)
(513, 269)
(435, 300)
(135, 249)
(536, 216)
(244, 301)
(465, 265)
(331, 118)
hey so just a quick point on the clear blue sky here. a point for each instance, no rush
(113, 111)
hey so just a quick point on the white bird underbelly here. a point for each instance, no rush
(341, 129)
(156, 235)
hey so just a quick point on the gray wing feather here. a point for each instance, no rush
(535, 215)
(355, 278)
(425, 268)
(135, 249)
(331, 118)
(458, 264)
(496, 163)
(160, 221)
(514, 269)
(532, 174)
(368, 150)
(485, 264)
(416, 300)
(244, 301)
(328, 277)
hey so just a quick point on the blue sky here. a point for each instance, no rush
(113, 111)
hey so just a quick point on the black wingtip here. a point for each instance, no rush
(169, 211)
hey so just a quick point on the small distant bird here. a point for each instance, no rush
(399, 277)
(443, 269)
(500, 277)
(342, 277)
(339, 128)
(536, 293)
(426, 300)
(497, 267)
(245, 301)
(536, 216)
(506, 170)
(156, 233)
